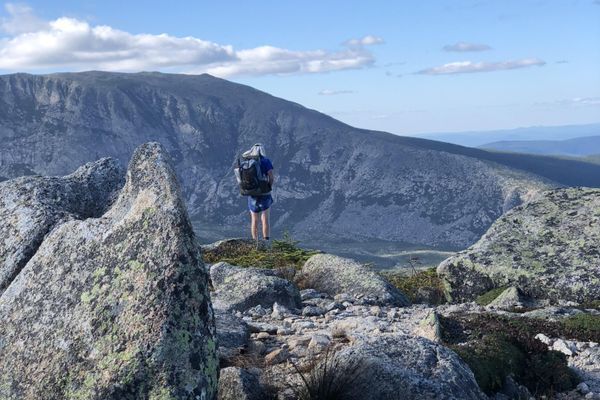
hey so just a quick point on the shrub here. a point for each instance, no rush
(546, 373)
(495, 346)
(413, 285)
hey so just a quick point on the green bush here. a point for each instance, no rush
(546, 373)
(409, 284)
(490, 296)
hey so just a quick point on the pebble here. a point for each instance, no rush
(276, 356)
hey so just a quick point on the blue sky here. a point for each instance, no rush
(405, 67)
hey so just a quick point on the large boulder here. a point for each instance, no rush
(547, 248)
(115, 307)
(239, 289)
(408, 367)
(32, 206)
(335, 275)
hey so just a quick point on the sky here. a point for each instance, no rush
(405, 67)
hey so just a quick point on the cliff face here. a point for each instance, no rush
(335, 182)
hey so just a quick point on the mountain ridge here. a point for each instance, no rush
(334, 182)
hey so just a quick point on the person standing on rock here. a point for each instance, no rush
(254, 174)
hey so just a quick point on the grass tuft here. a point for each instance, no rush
(415, 285)
(330, 378)
(284, 253)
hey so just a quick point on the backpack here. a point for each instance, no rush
(250, 178)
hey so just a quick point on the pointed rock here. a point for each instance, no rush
(115, 307)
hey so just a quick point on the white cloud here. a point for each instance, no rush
(368, 40)
(21, 20)
(330, 92)
(463, 67)
(574, 102)
(465, 47)
(72, 44)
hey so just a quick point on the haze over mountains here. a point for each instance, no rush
(335, 183)
(532, 133)
(576, 147)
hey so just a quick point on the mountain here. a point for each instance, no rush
(536, 133)
(576, 147)
(335, 183)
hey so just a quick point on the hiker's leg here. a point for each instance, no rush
(254, 225)
(264, 217)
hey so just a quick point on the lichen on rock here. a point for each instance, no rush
(114, 307)
(547, 248)
(30, 207)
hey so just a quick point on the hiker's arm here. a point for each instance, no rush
(271, 177)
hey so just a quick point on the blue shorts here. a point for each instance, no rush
(259, 203)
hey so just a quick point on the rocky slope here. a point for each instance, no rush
(273, 346)
(547, 248)
(334, 181)
(111, 305)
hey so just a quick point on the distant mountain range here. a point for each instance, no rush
(533, 133)
(335, 183)
(576, 147)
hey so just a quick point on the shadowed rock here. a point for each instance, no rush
(334, 275)
(114, 307)
(30, 207)
(548, 249)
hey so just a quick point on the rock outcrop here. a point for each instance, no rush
(547, 248)
(337, 275)
(114, 307)
(239, 288)
(30, 207)
(410, 368)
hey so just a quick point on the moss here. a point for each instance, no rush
(584, 323)
(490, 296)
(412, 284)
(594, 305)
(492, 359)
(494, 346)
(284, 253)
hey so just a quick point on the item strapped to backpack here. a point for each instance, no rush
(250, 177)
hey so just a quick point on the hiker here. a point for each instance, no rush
(255, 177)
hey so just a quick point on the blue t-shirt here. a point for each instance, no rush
(265, 165)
